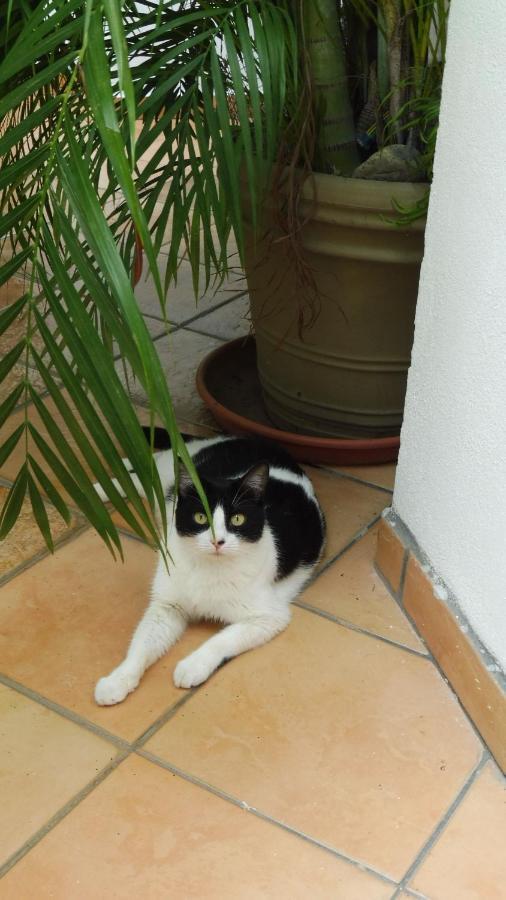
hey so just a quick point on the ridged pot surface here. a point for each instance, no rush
(346, 376)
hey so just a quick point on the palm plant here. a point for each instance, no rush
(376, 69)
(117, 129)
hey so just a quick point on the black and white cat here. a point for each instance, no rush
(269, 534)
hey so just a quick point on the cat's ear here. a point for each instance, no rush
(185, 480)
(255, 481)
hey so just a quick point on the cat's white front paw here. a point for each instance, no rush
(193, 670)
(115, 687)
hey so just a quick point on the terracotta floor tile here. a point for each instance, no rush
(351, 590)
(390, 555)
(25, 539)
(356, 743)
(383, 475)
(481, 692)
(468, 862)
(68, 620)
(44, 761)
(348, 507)
(146, 833)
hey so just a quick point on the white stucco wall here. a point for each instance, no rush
(451, 483)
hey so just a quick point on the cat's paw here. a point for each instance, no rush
(193, 670)
(114, 688)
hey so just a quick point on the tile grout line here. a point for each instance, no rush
(343, 623)
(351, 543)
(65, 712)
(220, 305)
(210, 334)
(413, 550)
(136, 746)
(402, 579)
(443, 822)
(200, 315)
(63, 812)
(164, 718)
(411, 893)
(397, 597)
(241, 804)
(125, 749)
(336, 472)
(65, 539)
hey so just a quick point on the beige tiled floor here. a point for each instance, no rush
(353, 593)
(334, 762)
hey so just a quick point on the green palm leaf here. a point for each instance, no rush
(101, 99)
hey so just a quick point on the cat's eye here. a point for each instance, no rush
(200, 518)
(238, 519)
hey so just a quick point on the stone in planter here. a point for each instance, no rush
(394, 163)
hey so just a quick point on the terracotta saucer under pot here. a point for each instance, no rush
(227, 381)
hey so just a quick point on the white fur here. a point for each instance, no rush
(233, 583)
(293, 478)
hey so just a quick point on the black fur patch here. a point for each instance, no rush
(295, 520)
(234, 496)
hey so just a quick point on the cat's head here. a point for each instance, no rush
(237, 507)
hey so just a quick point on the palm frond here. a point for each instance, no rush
(126, 106)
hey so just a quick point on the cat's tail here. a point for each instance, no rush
(161, 437)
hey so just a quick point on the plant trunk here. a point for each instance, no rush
(336, 149)
(390, 52)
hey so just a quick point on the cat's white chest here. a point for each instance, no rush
(218, 592)
(225, 589)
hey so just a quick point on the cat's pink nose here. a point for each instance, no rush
(218, 544)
